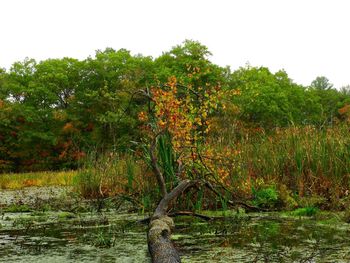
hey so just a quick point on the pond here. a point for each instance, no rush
(113, 237)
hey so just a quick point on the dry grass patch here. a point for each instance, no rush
(21, 180)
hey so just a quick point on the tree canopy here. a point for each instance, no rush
(54, 111)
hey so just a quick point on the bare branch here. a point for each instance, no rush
(162, 207)
(255, 208)
(189, 213)
(181, 213)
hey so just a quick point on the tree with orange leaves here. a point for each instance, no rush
(179, 116)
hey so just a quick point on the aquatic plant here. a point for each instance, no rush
(14, 208)
(306, 211)
(346, 216)
(104, 239)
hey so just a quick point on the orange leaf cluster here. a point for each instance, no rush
(172, 115)
(184, 112)
(344, 110)
(220, 161)
(69, 128)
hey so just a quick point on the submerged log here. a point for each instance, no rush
(161, 248)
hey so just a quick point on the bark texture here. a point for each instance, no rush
(161, 248)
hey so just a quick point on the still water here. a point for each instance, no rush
(111, 237)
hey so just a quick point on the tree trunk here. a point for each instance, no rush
(161, 248)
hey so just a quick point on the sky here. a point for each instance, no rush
(306, 38)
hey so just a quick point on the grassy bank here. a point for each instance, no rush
(49, 178)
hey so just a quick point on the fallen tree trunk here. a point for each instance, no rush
(161, 225)
(161, 248)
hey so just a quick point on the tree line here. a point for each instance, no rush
(53, 112)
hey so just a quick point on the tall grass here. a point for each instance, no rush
(307, 160)
(293, 162)
(107, 175)
(167, 160)
(117, 175)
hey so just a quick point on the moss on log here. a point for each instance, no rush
(160, 246)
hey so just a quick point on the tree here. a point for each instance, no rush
(2, 84)
(177, 115)
(268, 100)
(56, 82)
(345, 90)
(22, 116)
(321, 83)
(190, 64)
(108, 83)
(329, 99)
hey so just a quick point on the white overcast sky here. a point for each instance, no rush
(307, 38)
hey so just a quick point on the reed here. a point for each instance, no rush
(107, 175)
(307, 160)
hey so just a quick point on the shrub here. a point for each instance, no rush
(286, 197)
(265, 197)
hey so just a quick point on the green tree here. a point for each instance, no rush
(321, 83)
(2, 83)
(108, 83)
(345, 90)
(190, 64)
(268, 100)
(329, 99)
